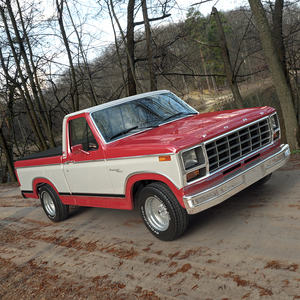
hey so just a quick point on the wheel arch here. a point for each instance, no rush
(136, 182)
(37, 183)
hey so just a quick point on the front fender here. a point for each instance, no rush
(134, 178)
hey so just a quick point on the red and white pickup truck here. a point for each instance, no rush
(155, 151)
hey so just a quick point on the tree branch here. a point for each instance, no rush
(204, 1)
(210, 45)
(191, 75)
(154, 19)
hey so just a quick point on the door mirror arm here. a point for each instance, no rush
(76, 149)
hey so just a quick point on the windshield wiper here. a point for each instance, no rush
(149, 127)
(179, 114)
(124, 131)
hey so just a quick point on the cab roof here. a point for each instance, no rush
(116, 102)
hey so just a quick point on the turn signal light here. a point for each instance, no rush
(276, 135)
(192, 175)
(165, 158)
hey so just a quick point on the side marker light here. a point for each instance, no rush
(165, 158)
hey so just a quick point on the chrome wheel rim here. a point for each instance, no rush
(157, 214)
(49, 204)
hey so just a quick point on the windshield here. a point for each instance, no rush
(140, 114)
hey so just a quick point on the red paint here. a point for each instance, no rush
(151, 176)
(105, 202)
(65, 199)
(184, 133)
(168, 138)
(38, 162)
(218, 177)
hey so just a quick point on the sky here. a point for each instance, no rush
(100, 27)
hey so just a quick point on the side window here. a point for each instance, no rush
(81, 133)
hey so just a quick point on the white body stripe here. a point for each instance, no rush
(88, 177)
(53, 173)
(120, 170)
(101, 177)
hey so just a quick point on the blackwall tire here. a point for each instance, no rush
(55, 210)
(262, 181)
(162, 214)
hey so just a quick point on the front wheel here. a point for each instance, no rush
(162, 214)
(55, 210)
(262, 181)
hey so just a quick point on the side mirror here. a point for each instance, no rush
(76, 149)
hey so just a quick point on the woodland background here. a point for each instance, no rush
(54, 61)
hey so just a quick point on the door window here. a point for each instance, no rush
(81, 133)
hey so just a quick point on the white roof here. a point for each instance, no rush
(116, 102)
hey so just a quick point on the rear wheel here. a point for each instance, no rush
(55, 210)
(162, 214)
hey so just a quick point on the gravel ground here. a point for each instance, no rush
(245, 248)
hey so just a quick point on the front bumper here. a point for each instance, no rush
(200, 201)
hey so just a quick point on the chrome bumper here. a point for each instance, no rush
(200, 201)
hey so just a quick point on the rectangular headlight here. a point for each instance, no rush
(274, 122)
(275, 127)
(193, 158)
(189, 159)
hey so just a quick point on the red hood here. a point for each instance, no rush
(184, 133)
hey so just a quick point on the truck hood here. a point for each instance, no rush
(184, 133)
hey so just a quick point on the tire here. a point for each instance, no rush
(162, 214)
(262, 181)
(55, 210)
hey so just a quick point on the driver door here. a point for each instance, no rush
(85, 167)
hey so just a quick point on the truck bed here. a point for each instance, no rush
(57, 151)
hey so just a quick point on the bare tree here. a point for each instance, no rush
(227, 64)
(118, 50)
(74, 86)
(24, 88)
(278, 74)
(153, 80)
(87, 71)
(130, 46)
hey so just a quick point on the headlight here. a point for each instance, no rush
(275, 127)
(194, 164)
(274, 122)
(189, 159)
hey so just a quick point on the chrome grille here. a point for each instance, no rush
(226, 149)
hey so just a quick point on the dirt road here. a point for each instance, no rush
(245, 248)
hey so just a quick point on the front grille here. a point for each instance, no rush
(227, 149)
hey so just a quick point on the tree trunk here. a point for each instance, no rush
(205, 72)
(279, 45)
(94, 100)
(74, 93)
(130, 46)
(213, 79)
(227, 65)
(44, 115)
(28, 114)
(24, 94)
(277, 32)
(129, 54)
(7, 156)
(278, 74)
(153, 81)
(118, 51)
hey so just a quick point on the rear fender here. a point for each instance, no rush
(66, 198)
(38, 182)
